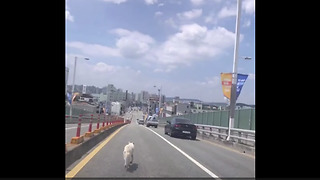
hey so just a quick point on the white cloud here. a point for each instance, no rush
(150, 2)
(211, 82)
(167, 68)
(171, 23)
(193, 43)
(103, 67)
(115, 1)
(102, 74)
(197, 2)
(158, 13)
(190, 44)
(94, 49)
(194, 13)
(248, 6)
(160, 4)
(69, 17)
(227, 12)
(247, 23)
(211, 19)
(133, 44)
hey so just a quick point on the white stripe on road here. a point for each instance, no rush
(186, 155)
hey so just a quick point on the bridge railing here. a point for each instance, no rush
(243, 118)
(241, 136)
(106, 121)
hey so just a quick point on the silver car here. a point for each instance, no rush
(152, 121)
(140, 121)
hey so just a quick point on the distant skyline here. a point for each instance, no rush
(181, 45)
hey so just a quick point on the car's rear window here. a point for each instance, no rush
(184, 121)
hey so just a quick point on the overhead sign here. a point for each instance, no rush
(226, 81)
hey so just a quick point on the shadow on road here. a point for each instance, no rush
(133, 167)
(184, 138)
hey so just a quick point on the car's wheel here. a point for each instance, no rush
(165, 132)
(193, 137)
(155, 126)
(171, 135)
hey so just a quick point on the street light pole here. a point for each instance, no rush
(72, 91)
(160, 100)
(233, 97)
(74, 77)
(159, 90)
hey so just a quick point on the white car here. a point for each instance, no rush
(140, 121)
(152, 121)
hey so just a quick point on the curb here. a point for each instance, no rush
(77, 140)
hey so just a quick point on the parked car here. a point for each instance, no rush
(182, 127)
(140, 121)
(152, 121)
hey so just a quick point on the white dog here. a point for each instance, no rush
(128, 154)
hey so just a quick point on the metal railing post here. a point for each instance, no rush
(90, 125)
(79, 127)
(98, 121)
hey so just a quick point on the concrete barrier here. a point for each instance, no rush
(75, 152)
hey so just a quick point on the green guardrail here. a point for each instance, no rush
(244, 118)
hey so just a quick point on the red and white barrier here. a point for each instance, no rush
(79, 127)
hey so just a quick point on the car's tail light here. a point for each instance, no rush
(177, 125)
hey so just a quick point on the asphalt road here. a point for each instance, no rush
(159, 155)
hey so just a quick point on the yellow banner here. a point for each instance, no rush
(226, 80)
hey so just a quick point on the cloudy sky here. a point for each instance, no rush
(180, 45)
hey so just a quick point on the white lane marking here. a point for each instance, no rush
(76, 127)
(186, 155)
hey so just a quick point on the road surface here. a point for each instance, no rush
(159, 155)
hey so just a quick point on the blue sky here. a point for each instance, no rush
(180, 45)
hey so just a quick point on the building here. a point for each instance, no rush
(84, 89)
(144, 96)
(183, 108)
(207, 107)
(172, 109)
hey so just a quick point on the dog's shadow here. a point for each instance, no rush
(132, 167)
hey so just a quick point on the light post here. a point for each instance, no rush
(67, 75)
(159, 90)
(234, 72)
(74, 76)
(233, 97)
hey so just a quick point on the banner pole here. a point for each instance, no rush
(234, 73)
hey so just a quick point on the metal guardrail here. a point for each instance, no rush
(241, 135)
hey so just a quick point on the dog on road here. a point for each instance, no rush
(128, 154)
